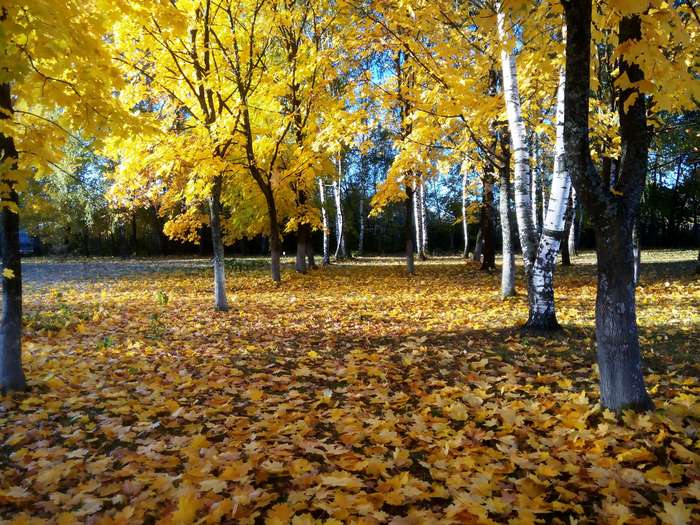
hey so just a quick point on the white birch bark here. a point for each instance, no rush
(424, 221)
(508, 265)
(324, 221)
(340, 238)
(465, 224)
(518, 137)
(541, 299)
(572, 229)
(416, 215)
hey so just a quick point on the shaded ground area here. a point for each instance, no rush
(355, 394)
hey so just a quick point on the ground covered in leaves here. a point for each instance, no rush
(354, 394)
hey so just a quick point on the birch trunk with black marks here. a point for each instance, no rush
(339, 226)
(536, 187)
(613, 213)
(542, 314)
(506, 216)
(522, 180)
(637, 251)
(324, 222)
(409, 232)
(416, 218)
(11, 371)
(465, 223)
(423, 223)
(573, 230)
(568, 216)
(220, 301)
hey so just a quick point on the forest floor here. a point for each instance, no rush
(353, 394)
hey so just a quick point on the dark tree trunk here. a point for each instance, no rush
(613, 213)
(123, 241)
(303, 236)
(275, 239)
(310, 258)
(488, 261)
(220, 301)
(478, 246)
(132, 240)
(300, 263)
(409, 231)
(637, 252)
(11, 372)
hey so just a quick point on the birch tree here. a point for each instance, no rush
(542, 310)
(324, 223)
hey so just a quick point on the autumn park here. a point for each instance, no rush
(308, 262)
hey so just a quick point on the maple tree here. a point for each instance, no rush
(44, 103)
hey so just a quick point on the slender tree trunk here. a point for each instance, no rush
(536, 187)
(697, 268)
(573, 229)
(565, 255)
(132, 242)
(542, 315)
(488, 261)
(424, 222)
(465, 223)
(11, 372)
(508, 268)
(339, 226)
(123, 240)
(324, 221)
(419, 217)
(310, 257)
(300, 263)
(302, 238)
(409, 231)
(478, 247)
(220, 302)
(521, 186)
(637, 252)
(361, 243)
(275, 247)
(613, 214)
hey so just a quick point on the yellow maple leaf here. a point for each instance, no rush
(187, 506)
(8, 273)
(675, 513)
(343, 479)
(280, 514)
